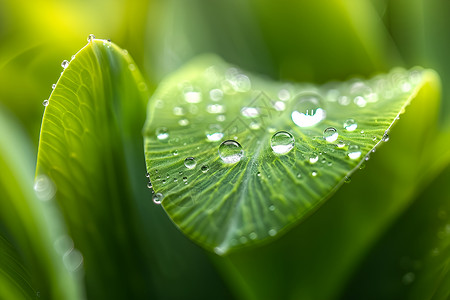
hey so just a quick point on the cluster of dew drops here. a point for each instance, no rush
(308, 110)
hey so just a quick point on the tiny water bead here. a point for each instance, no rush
(308, 110)
(175, 152)
(230, 151)
(284, 95)
(193, 96)
(282, 142)
(190, 162)
(314, 173)
(157, 198)
(45, 102)
(350, 125)
(385, 137)
(65, 64)
(313, 158)
(216, 94)
(340, 144)
(354, 152)
(214, 133)
(250, 112)
(53, 86)
(149, 185)
(91, 37)
(330, 134)
(162, 133)
(204, 168)
(184, 179)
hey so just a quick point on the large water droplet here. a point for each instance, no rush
(330, 134)
(350, 125)
(64, 64)
(214, 133)
(190, 162)
(308, 110)
(230, 152)
(157, 198)
(282, 142)
(354, 152)
(162, 133)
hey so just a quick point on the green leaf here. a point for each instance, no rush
(225, 206)
(88, 144)
(37, 257)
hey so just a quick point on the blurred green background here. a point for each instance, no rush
(302, 40)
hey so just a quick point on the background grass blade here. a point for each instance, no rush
(226, 206)
(35, 261)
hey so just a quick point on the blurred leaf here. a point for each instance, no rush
(230, 200)
(91, 147)
(37, 256)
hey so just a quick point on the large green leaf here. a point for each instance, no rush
(37, 256)
(226, 198)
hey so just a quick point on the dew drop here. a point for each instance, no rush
(64, 64)
(340, 144)
(258, 174)
(190, 162)
(314, 173)
(252, 235)
(149, 185)
(53, 86)
(284, 95)
(354, 152)
(308, 110)
(90, 37)
(215, 109)
(279, 106)
(347, 179)
(254, 126)
(131, 67)
(220, 118)
(44, 188)
(313, 158)
(214, 133)
(205, 168)
(282, 142)
(241, 83)
(157, 198)
(183, 122)
(385, 137)
(162, 133)
(193, 96)
(175, 152)
(216, 94)
(350, 125)
(230, 152)
(73, 260)
(185, 179)
(178, 111)
(330, 134)
(250, 112)
(272, 232)
(45, 102)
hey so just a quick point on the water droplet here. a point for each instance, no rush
(90, 37)
(308, 110)
(313, 158)
(45, 102)
(162, 133)
(53, 86)
(258, 174)
(216, 94)
(193, 96)
(282, 142)
(252, 235)
(284, 95)
(340, 144)
(347, 179)
(219, 251)
(272, 232)
(350, 125)
(131, 67)
(330, 134)
(360, 101)
(314, 173)
(254, 125)
(73, 260)
(408, 278)
(149, 185)
(272, 207)
(374, 138)
(184, 179)
(215, 109)
(250, 112)
(157, 198)
(64, 64)
(385, 137)
(44, 188)
(183, 122)
(299, 175)
(178, 111)
(241, 83)
(220, 118)
(175, 152)
(190, 162)
(205, 168)
(354, 152)
(230, 152)
(279, 106)
(214, 133)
